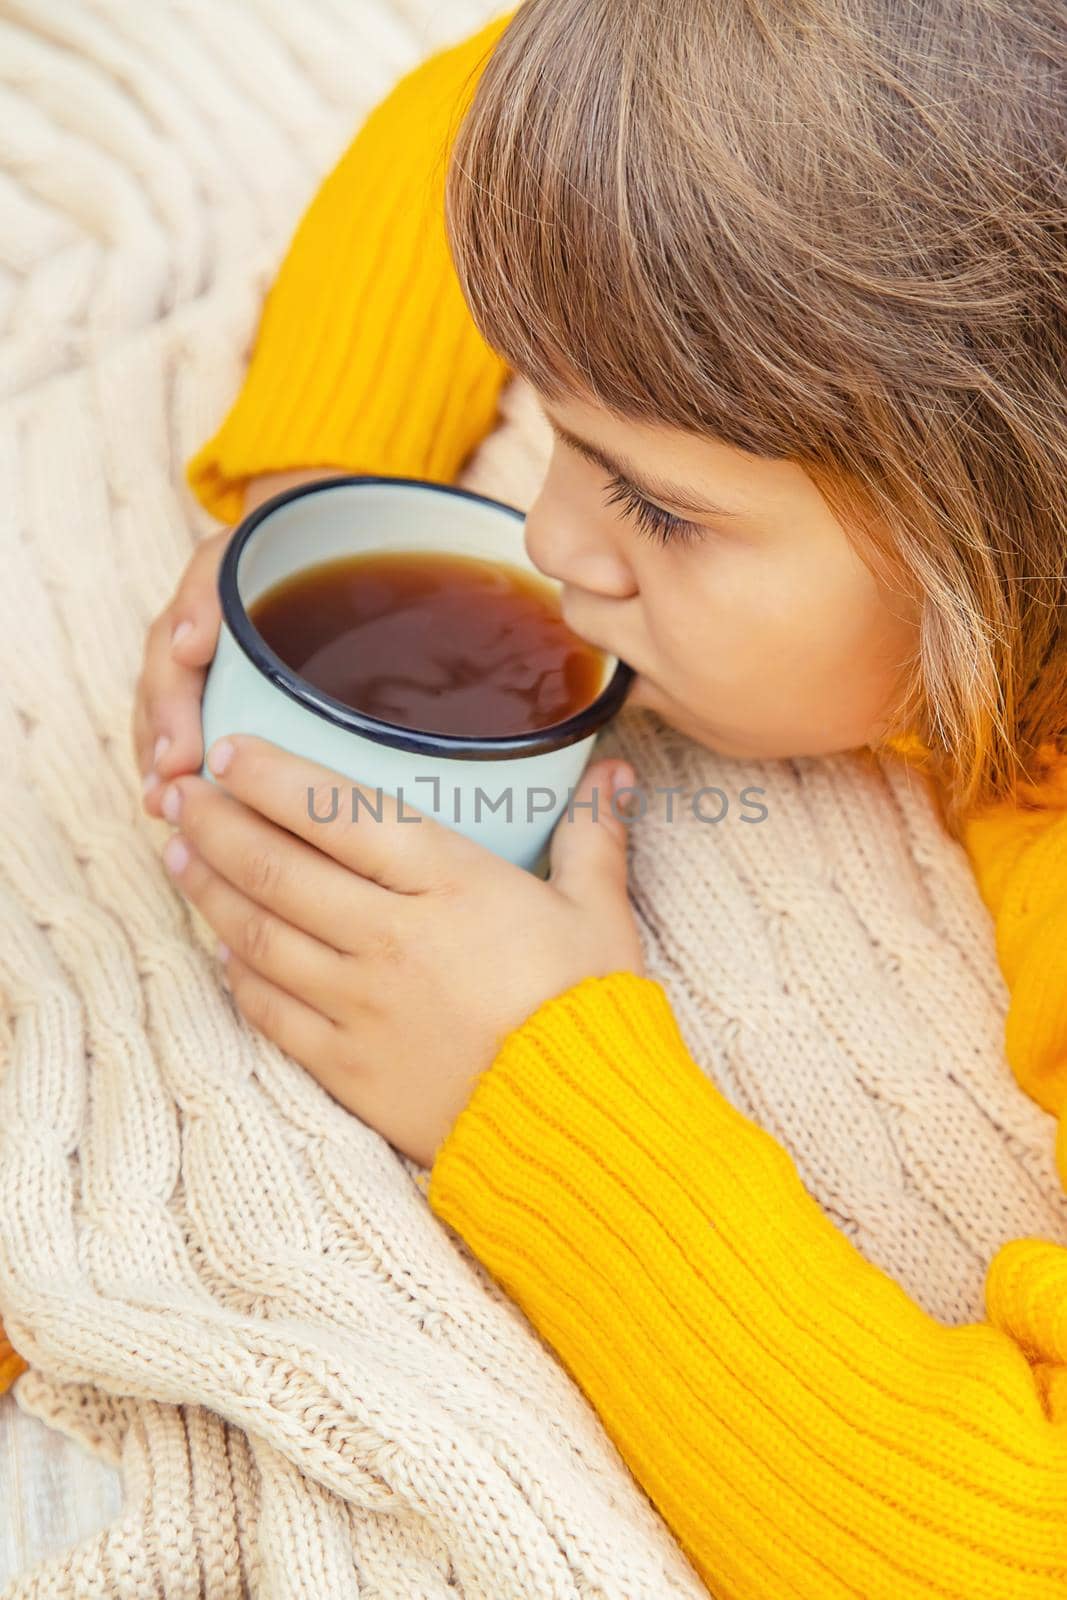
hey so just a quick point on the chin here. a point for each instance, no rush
(650, 697)
(641, 692)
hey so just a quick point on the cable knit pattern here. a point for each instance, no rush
(224, 1283)
(152, 153)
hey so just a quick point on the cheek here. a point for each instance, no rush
(705, 622)
(776, 644)
(833, 663)
(866, 630)
(804, 619)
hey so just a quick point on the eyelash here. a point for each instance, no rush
(652, 521)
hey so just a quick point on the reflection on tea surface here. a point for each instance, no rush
(438, 642)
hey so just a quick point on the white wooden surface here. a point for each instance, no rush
(52, 1492)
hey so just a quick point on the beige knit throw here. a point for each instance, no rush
(224, 1283)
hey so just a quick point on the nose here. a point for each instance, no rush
(573, 546)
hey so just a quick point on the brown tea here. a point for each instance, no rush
(442, 643)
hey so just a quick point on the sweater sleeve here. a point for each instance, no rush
(366, 357)
(802, 1426)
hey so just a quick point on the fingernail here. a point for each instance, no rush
(175, 854)
(621, 778)
(181, 632)
(162, 746)
(171, 804)
(150, 783)
(223, 952)
(219, 756)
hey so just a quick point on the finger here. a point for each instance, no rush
(195, 612)
(192, 635)
(323, 1048)
(587, 854)
(143, 742)
(144, 695)
(387, 839)
(139, 733)
(294, 1027)
(287, 957)
(195, 639)
(167, 719)
(171, 738)
(269, 865)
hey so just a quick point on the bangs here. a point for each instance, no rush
(829, 232)
(615, 241)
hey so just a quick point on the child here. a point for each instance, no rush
(786, 280)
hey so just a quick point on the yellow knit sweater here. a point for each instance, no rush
(802, 1426)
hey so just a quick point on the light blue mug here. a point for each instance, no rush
(507, 792)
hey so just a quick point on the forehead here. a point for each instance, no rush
(708, 474)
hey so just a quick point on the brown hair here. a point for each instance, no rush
(828, 230)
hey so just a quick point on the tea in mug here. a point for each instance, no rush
(441, 643)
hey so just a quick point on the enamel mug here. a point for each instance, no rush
(507, 792)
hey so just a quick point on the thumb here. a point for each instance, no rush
(588, 850)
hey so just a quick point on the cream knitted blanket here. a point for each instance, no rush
(224, 1283)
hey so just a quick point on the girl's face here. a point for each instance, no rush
(733, 592)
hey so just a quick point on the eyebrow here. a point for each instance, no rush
(654, 488)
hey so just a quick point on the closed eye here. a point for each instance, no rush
(651, 520)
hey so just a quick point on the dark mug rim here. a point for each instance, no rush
(498, 747)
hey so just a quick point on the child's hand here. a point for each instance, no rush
(167, 734)
(166, 725)
(391, 957)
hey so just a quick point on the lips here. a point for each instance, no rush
(567, 593)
